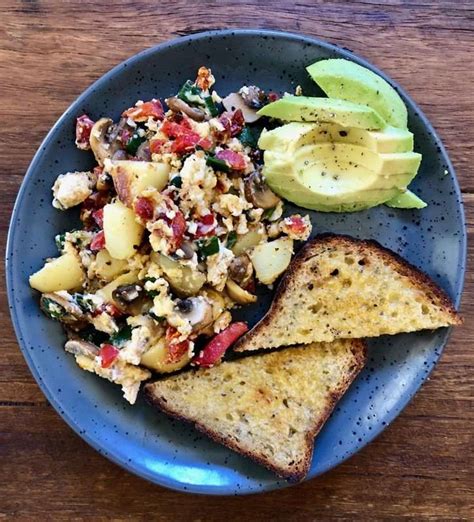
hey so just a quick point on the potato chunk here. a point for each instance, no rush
(271, 259)
(62, 273)
(131, 178)
(123, 234)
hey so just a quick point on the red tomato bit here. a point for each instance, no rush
(98, 243)
(108, 353)
(142, 112)
(234, 160)
(206, 225)
(83, 132)
(98, 217)
(144, 209)
(215, 349)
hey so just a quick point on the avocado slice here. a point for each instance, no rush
(333, 177)
(406, 200)
(346, 80)
(305, 108)
(295, 134)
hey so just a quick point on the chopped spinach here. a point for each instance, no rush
(250, 136)
(208, 247)
(122, 336)
(231, 239)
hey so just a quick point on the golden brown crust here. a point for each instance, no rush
(123, 186)
(299, 472)
(366, 247)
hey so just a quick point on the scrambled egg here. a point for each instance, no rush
(72, 188)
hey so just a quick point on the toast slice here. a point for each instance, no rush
(268, 407)
(341, 287)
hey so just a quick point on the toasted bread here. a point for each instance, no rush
(268, 407)
(341, 287)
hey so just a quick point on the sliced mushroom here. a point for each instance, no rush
(253, 96)
(61, 306)
(259, 193)
(185, 251)
(241, 269)
(131, 299)
(80, 347)
(197, 310)
(178, 105)
(103, 140)
(143, 152)
(234, 101)
(238, 294)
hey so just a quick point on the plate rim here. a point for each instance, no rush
(94, 442)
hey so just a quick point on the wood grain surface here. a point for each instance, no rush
(422, 466)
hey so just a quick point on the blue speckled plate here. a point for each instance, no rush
(137, 438)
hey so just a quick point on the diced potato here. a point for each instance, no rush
(249, 240)
(125, 279)
(106, 268)
(183, 279)
(62, 273)
(238, 294)
(131, 178)
(156, 358)
(271, 259)
(122, 233)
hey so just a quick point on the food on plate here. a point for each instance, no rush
(406, 200)
(346, 80)
(324, 110)
(333, 154)
(178, 228)
(339, 176)
(268, 407)
(339, 287)
(292, 135)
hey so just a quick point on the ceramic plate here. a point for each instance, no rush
(136, 437)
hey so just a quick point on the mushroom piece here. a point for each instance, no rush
(241, 269)
(253, 96)
(131, 299)
(80, 347)
(197, 310)
(259, 193)
(143, 152)
(103, 140)
(178, 105)
(62, 307)
(234, 101)
(238, 294)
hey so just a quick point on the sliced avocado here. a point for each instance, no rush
(406, 200)
(338, 177)
(304, 108)
(295, 134)
(346, 80)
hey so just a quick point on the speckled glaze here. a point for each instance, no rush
(143, 441)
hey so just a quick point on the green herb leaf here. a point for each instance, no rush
(133, 143)
(60, 241)
(267, 214)
(52, 309)
(211, 106)
(176, 181)
(231, 239)
(208, 247)
(250, 136)
(191, 94)
(122, 336)
(217, 164)
(90, 334)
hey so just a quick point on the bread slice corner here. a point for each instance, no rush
(341, 287)
(267, 407)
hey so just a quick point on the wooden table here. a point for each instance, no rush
(422, 466)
